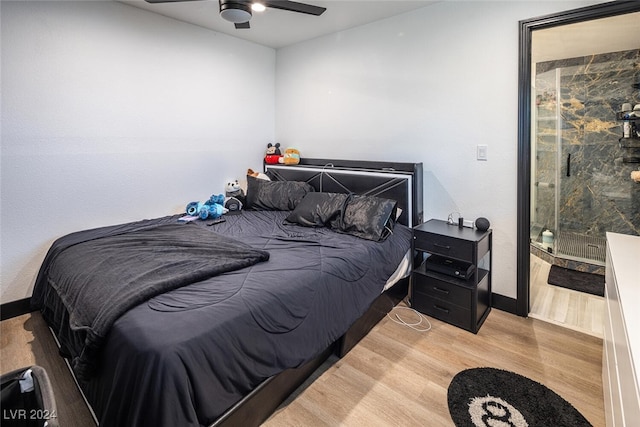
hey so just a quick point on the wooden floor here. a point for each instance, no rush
(575, 310)
(394, 376)
(25, 341)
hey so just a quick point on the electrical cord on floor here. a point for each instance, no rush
(413, 325)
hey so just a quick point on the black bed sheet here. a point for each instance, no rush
(184, 357)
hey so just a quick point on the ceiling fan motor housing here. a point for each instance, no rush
(235, 11)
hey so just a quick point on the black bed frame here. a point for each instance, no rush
(339, 176)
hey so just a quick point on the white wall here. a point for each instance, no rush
(112, 114)
(426, 86)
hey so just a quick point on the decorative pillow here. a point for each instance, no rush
(369, 217)
(275, 195)
(318, 209)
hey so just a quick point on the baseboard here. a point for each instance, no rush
(504, 303)
(15, 308)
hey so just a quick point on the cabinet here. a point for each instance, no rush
(455, 286)
(621, 344)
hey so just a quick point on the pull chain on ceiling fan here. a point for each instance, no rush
(239, 11)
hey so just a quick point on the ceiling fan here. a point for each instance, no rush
(239, 11)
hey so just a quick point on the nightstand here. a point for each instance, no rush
(451, 280)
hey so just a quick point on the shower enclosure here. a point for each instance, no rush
(580, 184)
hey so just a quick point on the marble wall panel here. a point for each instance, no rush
(598, 194)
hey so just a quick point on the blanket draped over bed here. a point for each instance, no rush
(125, 270)
(185, 356)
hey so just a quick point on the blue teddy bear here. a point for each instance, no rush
(212, 208)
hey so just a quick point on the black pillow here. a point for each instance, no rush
(369, 217)
(318, 209)
(275, 195)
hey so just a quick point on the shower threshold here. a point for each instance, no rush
(574, 251)
(582, 247)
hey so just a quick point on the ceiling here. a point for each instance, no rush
(278, 28)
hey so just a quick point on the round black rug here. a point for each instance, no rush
(488, 397)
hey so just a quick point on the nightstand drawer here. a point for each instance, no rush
(443, 310)
(445, 246)
(445, 291)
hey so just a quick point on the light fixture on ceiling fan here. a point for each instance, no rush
(234, 11)
(239, 11)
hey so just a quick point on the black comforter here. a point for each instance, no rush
(100, 279)
(183, 357)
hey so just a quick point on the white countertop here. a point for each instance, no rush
(625, 252)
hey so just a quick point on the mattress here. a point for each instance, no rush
(185, 356)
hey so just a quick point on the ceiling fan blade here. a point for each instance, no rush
(242, 25)
(294, 6)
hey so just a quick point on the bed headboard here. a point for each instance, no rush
(391, 180)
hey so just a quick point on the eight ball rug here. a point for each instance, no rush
(488, 397)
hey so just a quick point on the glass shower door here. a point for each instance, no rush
(584, 161)
(546, 134)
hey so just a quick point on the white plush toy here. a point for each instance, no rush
(234, 196)
(233, 189)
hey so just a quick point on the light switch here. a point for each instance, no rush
(482, 152)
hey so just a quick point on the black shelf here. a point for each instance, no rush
(469, 283)
(631, 159)
(629, 142)
(620, 117)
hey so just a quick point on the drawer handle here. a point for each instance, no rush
(443, 291)
(441, 308)
(446, 247)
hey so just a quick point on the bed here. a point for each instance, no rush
(225, 320)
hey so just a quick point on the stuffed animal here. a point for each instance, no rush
(291, 157)
(273, 154)
(233, 204)
(211, 211)
(234, 196)
(232, 189)
(193, 208)
(259, 175)
(212, 208)
(216, 199)
(274, 149)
